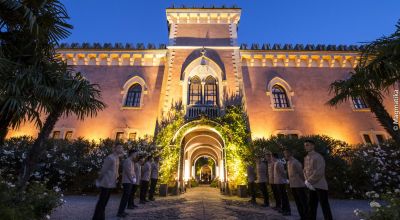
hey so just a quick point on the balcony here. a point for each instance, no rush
(198, 111)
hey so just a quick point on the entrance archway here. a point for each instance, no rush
(198, 142)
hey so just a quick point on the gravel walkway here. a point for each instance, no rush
(198, 203)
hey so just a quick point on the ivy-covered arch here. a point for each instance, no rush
(233, 128)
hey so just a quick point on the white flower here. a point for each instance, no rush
(47, 216)
(357, 212)
(374, 204)
(56, 189)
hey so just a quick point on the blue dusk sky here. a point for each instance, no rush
(262, 21)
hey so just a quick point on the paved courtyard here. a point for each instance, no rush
(200, 203)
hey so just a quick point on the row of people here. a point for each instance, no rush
(308, 186)
(138, 172)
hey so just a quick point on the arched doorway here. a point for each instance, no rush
(204, 169)
(198, 142)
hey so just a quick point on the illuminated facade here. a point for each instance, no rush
(285, 87)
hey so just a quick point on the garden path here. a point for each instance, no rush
(200, 203)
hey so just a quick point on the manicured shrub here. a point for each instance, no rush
(36, 202)
(351, 171)
(71, 166)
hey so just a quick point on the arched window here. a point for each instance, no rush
(195, 91)
(280, 98)
(359, 103)
(210, 91)
(133, 96)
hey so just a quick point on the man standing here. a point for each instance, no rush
(251, 177)
(296, 181)
(144, 184)
(107, 180)
(314, 174)
(280, 181)
(155, 166)
(271, 163)
(262, 180)
(128, 179)
(138, 171)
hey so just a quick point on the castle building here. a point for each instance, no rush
(285, 87)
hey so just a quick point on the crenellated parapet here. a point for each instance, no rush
(113, 57)
(332, 56)
(203, 15)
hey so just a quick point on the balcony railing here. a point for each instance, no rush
(198, 111)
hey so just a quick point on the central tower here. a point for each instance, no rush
(203, 59)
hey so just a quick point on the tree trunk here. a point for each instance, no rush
(4, 124)
(383, 116)
(37, 150)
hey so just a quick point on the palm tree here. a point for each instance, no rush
(358, 85)
(73, 94)
(29, 31)
(373, 79)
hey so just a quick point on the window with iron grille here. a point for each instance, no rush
(56, 134)
(367, 139)
(380, 138)
(359, 103)
(119, 136)
(132, 136)
(210, 91)
(133, 96)
(280, 98)
(195, 92)
(68, 135)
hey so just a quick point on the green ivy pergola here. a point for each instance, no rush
(233, 129)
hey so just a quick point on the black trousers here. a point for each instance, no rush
(99, 212)
(127, 188)
(252, 190)
(144, 186)
(282, 193)
(131, 200)
(300, 197)
(275, 192)
(263, 188)
(153, 184)
(321, 196)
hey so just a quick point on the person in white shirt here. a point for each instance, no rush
(107, 180)
(145, 179)
(128, 179)
(155, 166)
(262, 171)
(137, 165)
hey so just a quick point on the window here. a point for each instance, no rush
(56, 134)
(367, 139)
(119, 136)
(133, 96)
(195, 91)
(68, 135)
(280, 135)
(210, 91)
(359, 103)
(279, 97)
(293, 136)
(289, 135)
(380, 138)
(132, 136)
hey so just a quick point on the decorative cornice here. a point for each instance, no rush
(203, 15)
(330, 59)
(113, 57)
(302, 47)
(203, 7)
